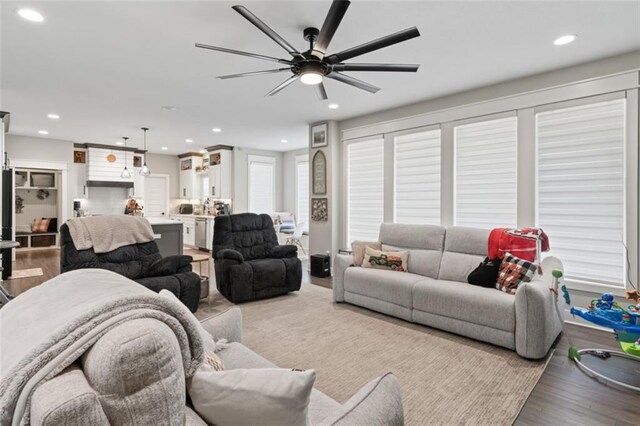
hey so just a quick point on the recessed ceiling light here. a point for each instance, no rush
(53, 116)
(30, 15)
(284, 141)
(188, 140)
(216, 130)
(168, 108)
(565, 39)
(43, 132)
(119, 143)
(334, 106)
(164, 148)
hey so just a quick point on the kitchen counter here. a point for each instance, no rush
(161, 221)
(206, 216)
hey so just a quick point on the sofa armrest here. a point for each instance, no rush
(227, 325)
(283, 251)
(340, 264)
(537, 324)
(168, 265)
(379, 402)
(229, 254)
(67, 399)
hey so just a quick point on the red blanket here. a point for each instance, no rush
(522, 242)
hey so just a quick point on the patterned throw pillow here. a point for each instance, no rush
(514, 271)
(40, 225)
(393, 260)
(358, 247)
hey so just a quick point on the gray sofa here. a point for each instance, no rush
(435, 291)
(133, 375)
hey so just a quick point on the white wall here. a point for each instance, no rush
(241, 178)
(106, 201)
(289, 179)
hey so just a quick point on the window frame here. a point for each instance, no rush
(261, 159)
(301, 159)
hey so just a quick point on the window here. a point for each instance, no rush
(302, 190)
(365, 192)
(417, 178)
(485, 173)
(261, 184)
(581, 188)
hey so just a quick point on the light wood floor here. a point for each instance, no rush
(564, 395)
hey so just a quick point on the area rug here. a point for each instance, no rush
(445, 379)
(26, 273)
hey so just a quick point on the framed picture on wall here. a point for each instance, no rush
(319, 173)
(137, 161)
(319, 135)
(319, 210)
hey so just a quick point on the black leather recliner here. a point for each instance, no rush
(141, 263)
(249, 263)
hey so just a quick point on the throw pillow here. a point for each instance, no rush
(486, 274)
(40, 225)
(393, 260)
(259, 396)
(513, 272)
(357, 247)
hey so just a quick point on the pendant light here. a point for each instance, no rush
(144, 171)
(126, 174)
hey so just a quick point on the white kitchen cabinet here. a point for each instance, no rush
(210, 222)
(78, 179)
(189, 236)
(138, 184)
(220, 172)
(189, 181)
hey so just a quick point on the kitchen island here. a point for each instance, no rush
(168, 235)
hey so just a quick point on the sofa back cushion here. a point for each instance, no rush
(464, 249)
(131, 261)
(424, 243)
(137, 371)
(251, 234)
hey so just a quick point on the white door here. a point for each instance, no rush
(156, 196)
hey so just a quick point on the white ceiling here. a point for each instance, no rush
(107, 67)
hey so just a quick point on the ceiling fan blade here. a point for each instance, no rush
(283, 85)
(267, 30)
(353, 82)
(377, 67)
(239, 52)
(370, 46)
(247, 74)
(321, 92)
(331, 23)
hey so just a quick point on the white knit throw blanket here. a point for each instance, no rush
(109, 232)
(47, 328)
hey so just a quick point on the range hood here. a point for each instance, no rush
(109, 184)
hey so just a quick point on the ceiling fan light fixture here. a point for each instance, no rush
(311, 77)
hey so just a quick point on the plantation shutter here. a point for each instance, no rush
(486, 173)
(302, 188)
(417, 178)
(365, 189)
(581, 188)
(261, 185)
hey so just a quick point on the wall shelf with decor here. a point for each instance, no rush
(37, 208)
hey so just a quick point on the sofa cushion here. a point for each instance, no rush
(421, 262)
(457, 266)
(389, 286)
(427, 237)
(237, 355)
(466, 302)
(137, 371)
(462, 239)
(266, 272)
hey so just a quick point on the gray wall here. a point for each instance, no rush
(241, 177)
(166, 165)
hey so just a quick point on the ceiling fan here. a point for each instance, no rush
(312, 66)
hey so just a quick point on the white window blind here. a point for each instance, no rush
(581, 188)
(261, 184)
(417, 178)
(365, 191)
(302, 192)
(486, 174)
